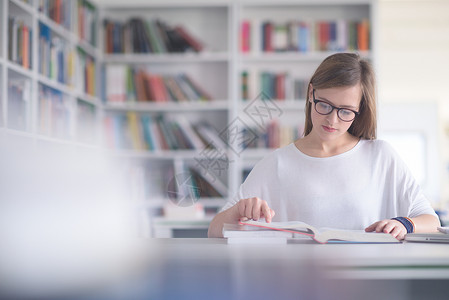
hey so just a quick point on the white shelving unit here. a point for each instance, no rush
(217, 69)
(211, 68)
(220, 65)
(30, 14)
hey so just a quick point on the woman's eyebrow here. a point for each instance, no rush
(330, 102)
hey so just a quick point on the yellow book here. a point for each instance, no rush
(135, 132)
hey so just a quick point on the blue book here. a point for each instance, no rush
(146, 122)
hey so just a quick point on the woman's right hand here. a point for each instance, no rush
(253, 208)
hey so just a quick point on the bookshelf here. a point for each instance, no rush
(210, 69)
(63, 93)
(229, 50)
(279, 46)
(48, 90)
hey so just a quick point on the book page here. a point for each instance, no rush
(357, 236)
(293, 226)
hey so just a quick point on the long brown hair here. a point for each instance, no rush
(348, 69)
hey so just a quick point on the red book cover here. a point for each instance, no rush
(193, 42)
(58, 11)
(80, 21)
(245, 36)
(268, 33)
(140, 82)
(324, 35)
(280, 86)
(149, 86)
(109, 28)
(363, 35)
(156, 89)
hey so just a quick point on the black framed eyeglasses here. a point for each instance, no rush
(324, 108)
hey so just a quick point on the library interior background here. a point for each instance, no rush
(144, 117)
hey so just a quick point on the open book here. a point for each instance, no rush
(324, 235)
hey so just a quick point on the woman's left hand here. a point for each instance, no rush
(395, 228)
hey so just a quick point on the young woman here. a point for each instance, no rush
(338, 175)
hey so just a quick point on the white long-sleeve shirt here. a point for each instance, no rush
(351, 190)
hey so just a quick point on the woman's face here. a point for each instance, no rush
(330, 127)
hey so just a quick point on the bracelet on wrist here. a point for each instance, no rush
(407, 222)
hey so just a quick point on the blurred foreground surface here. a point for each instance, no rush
(68, 231)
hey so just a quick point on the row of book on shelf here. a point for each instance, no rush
(56, 57)
(169, 132)
(194, 183)
(61, 12)
(160, 132)
(275, 135)
(278, 86)
(20, 42)
(148, 36)
(304, 36)
(57, 10)
(87, 22)
(127, 84)
(60, 62)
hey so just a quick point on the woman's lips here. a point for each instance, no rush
(329, 129)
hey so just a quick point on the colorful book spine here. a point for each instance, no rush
(153, 36)
(87, 21)
(274, 136)
(56, 59)
(245, 34)
(275, 85)
(59, 11)
(87, 73)
(302, 36)
(153, 133)
(127, 84)
(19, 42)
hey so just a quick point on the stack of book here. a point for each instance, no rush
(243, 234)
(279, 232)
(127, 84)
(153, 36)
